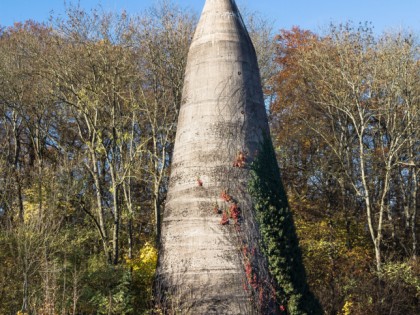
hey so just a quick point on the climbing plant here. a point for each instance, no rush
(279, 241)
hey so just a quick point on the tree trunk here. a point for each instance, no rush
(75, 290)
(100, 210)
(116, 227)
(414, 214)
(16, 168)
(376, 238)
(127, 196)
(25, 285)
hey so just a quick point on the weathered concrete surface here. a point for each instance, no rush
(200, 267)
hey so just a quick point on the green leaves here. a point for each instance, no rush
(108, 288)
(279, 239)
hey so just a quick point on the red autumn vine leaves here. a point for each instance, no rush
(233, 212)
(240, 160)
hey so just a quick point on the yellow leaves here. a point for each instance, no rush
(143, 268)
(125, 136)
(100, 149)
(307, 144)
(22, 313)
(36, 198)
(145, 264)
(66, 208)
(335, 246)
(148, 255)
(347, 308)
(33, 198)
(83, 95)
(402, 271)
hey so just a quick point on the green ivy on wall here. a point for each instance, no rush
(280, 244)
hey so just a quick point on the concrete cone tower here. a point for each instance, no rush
(207, 244)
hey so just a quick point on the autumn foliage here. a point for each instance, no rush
(87, 123)
(346, 123)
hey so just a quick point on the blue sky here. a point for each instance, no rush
(309, 14)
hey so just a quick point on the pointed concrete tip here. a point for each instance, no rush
(218, 18)
(220, 5)
(228, 8)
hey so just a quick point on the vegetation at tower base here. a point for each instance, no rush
(279, 240)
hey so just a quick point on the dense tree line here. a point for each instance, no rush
(88, 117)
(88, 110)
(347, 121)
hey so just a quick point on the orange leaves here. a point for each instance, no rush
(240, 160)
(225, 218)
(290, 85)
(225, 196)
(233, 212)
